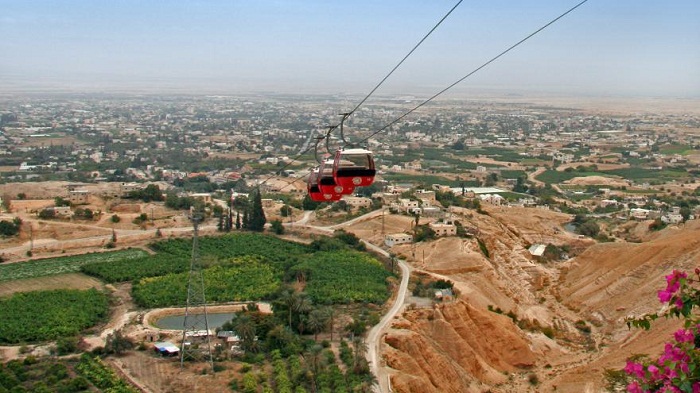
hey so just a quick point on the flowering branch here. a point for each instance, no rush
(678, 368)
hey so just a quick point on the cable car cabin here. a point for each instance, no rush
(327, 183)
(353, 168)
(315, 192)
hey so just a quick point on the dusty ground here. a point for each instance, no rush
(597, 180)
(601, 166)
(61, 281)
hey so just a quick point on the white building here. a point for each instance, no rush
(128, 188)
(639, 214)
(443, 229)
(78, 197)
(397, 238)
(357, 202)
(493, 199)
(672, 218)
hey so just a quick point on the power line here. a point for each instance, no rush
(475, 70)
(493, 59)
(375, 87)
(404, 58)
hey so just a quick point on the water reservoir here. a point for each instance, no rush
(174, 322)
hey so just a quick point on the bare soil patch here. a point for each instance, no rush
(601, 166)
(597, 180)
(61, 281)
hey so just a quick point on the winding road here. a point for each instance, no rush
(375, 334)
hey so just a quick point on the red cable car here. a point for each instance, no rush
(353, 168)
(326, 181)
(315, 192)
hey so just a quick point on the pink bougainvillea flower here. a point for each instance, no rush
(665, 296)
(684, 336)
(696, 387)
(673, 280)
(635, 369)
(634, 387)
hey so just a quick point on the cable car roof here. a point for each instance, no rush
(355, 151)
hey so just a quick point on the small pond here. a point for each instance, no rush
(175, 322)
(570, 227)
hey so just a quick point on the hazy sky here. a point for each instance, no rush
(606, 47)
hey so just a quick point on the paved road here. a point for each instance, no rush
(375, 334)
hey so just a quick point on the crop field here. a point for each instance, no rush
(244, 278)
(344, 277)
(636, 174)
(59, 281)
(676, 149)
(276, 251)
(423, 179)
(497, 153)
(551, 176)
(639, 174)
(100, 375)
(512, 174)
(174, 256)
(51, 375)
(136, 268)
(61, 265)
(48, 315)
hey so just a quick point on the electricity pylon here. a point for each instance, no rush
(196, 343)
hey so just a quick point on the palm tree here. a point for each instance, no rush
(245, 328)
(330, 316)
(288, 298)
(318, 321)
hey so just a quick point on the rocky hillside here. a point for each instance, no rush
(567, 318)
(454, 348)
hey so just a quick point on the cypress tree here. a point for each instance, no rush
(257, 214)
(238, 220)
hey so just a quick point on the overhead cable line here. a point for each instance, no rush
(348, 114)
(475, 70)
(493, 59)
(404, 58)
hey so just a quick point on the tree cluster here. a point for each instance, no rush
(253, 214)
(148, 194)
(10, 228)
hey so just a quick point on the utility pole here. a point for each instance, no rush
(196, 323)
(382, 219)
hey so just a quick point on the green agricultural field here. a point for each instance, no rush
(498, 153)
(174, 255)
(103, 377)
(48, 315)
(243, 278)
(512, 174)
(643, 174)
(136, 268)
(344, 277)
(70, 264)
(54, 375)
(428, 180)
(277, 251)
(676, 149)
(553, 177)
